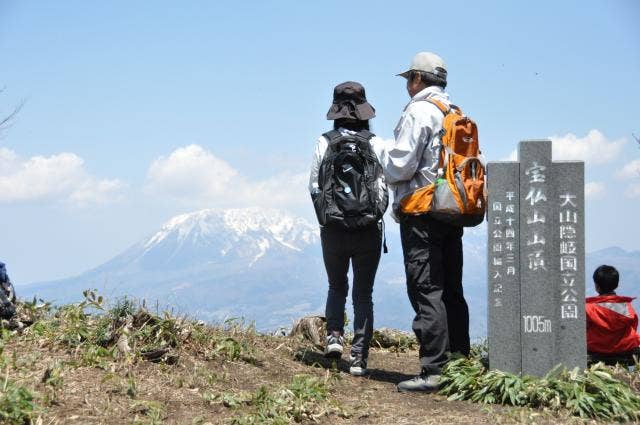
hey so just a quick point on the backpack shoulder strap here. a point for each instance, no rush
(365, 135)
(442, 159)
(332, 135)
(441, 106)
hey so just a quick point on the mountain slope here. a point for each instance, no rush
(262, 265)
(239, 236)
(627, 263)
(212, 264)
(266, 266)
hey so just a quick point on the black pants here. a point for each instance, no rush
(362, 249)
(433, 265)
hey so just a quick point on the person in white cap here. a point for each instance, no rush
(432, 249)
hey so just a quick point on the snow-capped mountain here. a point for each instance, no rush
(253, 263)
(263, 265)
(235, 236)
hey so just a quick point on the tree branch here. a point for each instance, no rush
(4, 122)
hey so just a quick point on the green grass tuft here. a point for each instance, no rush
(303, 399)
(17, 404)
(595, 393)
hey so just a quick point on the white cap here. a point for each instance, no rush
(427, 62)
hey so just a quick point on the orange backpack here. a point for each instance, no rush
(458, 195)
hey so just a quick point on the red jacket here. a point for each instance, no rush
(611, 324)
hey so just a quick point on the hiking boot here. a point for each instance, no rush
(422, 383)
(333, 348)
(357, 365)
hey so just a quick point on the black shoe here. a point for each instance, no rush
(357, 365)
(422, 383)
(334, 344)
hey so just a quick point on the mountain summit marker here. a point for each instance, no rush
(536, 262)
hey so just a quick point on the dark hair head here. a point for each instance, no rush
(350, 124)
(606, 278)
(428, 78)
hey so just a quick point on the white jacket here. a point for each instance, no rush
(411, 161)
(321, 147)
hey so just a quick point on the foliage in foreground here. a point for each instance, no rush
(594, 393)
(127, 329)
(96, 335)
(393, 340)
(305, 398)
(17, 405)
(99, 335)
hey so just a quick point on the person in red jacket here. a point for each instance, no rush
(611, 319)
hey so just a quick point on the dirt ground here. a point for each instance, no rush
(189, 392)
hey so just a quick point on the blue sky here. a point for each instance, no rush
(136, 112)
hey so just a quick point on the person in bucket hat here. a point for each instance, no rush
(432, 249)
(350, 102)
(350, 232)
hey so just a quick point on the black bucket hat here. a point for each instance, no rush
(349, 101)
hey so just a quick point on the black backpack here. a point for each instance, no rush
(348, 181)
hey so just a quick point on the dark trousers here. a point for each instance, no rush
(433, 265)
(362, 249)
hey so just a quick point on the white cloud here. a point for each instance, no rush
(195, 177)
(513, 156)
(633, 191)
(630, 170)
(191, 172)
(283, 189)
(60, 177)
(594, 190)
(593, 148)
(94, 191)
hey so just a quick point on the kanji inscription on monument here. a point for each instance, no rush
(504, 267)
(536, 289)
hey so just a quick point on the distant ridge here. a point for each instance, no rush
(213, 264)
(627, 263)
(615, 251)
(265, 265)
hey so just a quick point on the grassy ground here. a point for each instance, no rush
(91, 364)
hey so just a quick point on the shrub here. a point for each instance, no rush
(594, 393)
(17, 405)
(302, 399)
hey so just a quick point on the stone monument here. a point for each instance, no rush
(536, 262)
